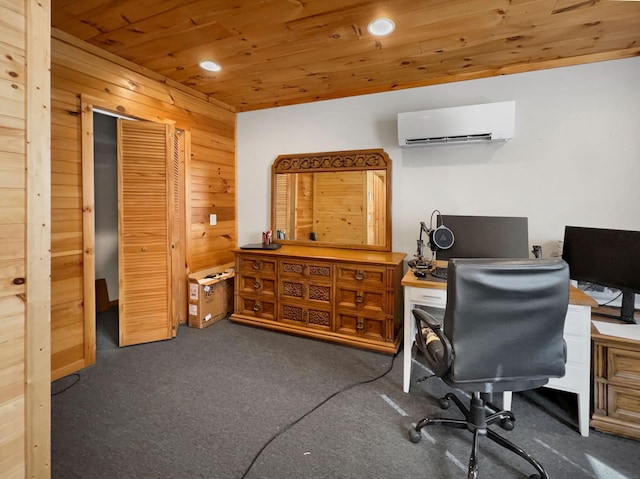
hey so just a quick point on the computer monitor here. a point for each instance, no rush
(605, 257)
(486, 237)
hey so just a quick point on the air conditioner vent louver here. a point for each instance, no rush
(450, 139)
(463, 124)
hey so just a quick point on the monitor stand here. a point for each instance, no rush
(627, 311)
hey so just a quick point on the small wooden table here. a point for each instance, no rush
(616, 384)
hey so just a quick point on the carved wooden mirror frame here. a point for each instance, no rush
(337, 218)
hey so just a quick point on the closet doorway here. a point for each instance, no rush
(137, 190)
(105, 185)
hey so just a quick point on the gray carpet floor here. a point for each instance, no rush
(232, 401)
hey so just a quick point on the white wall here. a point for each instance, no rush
(575, 158)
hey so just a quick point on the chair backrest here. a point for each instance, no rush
(505, 320)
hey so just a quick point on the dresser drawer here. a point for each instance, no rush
(264, 265)
(304, 291)
(624, 404)
(308, 316)
(361, 326)
(427, 296)
(370, 302)
(623, 367)
(305, 269)
(365, 275)
(256, 306)
(252, 283)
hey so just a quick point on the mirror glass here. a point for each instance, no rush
(339, 199)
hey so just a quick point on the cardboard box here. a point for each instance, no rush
(210, 298)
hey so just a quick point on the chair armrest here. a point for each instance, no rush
(427, 318)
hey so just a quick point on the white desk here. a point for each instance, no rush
(577, 334)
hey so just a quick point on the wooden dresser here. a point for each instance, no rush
(351, 297)
(616, 384)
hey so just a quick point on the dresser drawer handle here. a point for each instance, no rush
(257, 264)
(256, 306)
(360, 298)
(256, 284)
(360, 324)
(360, 275)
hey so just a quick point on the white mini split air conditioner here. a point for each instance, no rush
(461, 124)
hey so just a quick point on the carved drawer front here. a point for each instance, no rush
(257, 307)
(623, 367)
(360, 300)
(357, 325)
(302, 290)
(248, 283)
(306, 269)
(305, 315)
(263, 265)
(365, 275)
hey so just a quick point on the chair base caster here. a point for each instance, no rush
(414, 436)
(507, 425)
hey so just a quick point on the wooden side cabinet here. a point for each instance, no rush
(351, 297)
(616, 385)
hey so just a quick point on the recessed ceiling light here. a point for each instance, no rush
(210, 66)
(381, 26)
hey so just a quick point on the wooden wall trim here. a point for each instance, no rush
(88, 232)
(38, 258)
(187, 198)
(111, 106)
(235, 173)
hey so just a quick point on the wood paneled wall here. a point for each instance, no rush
(80, 72)
(25, 238)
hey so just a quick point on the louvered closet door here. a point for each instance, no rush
(144, 262)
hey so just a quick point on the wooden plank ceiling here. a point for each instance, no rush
(284, 52)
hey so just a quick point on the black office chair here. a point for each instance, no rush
(502, 331)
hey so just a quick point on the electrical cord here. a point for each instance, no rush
(431, 219)
(611, 300)
(77, 376)
(317, 406)
(591, 287)
(424, 378)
